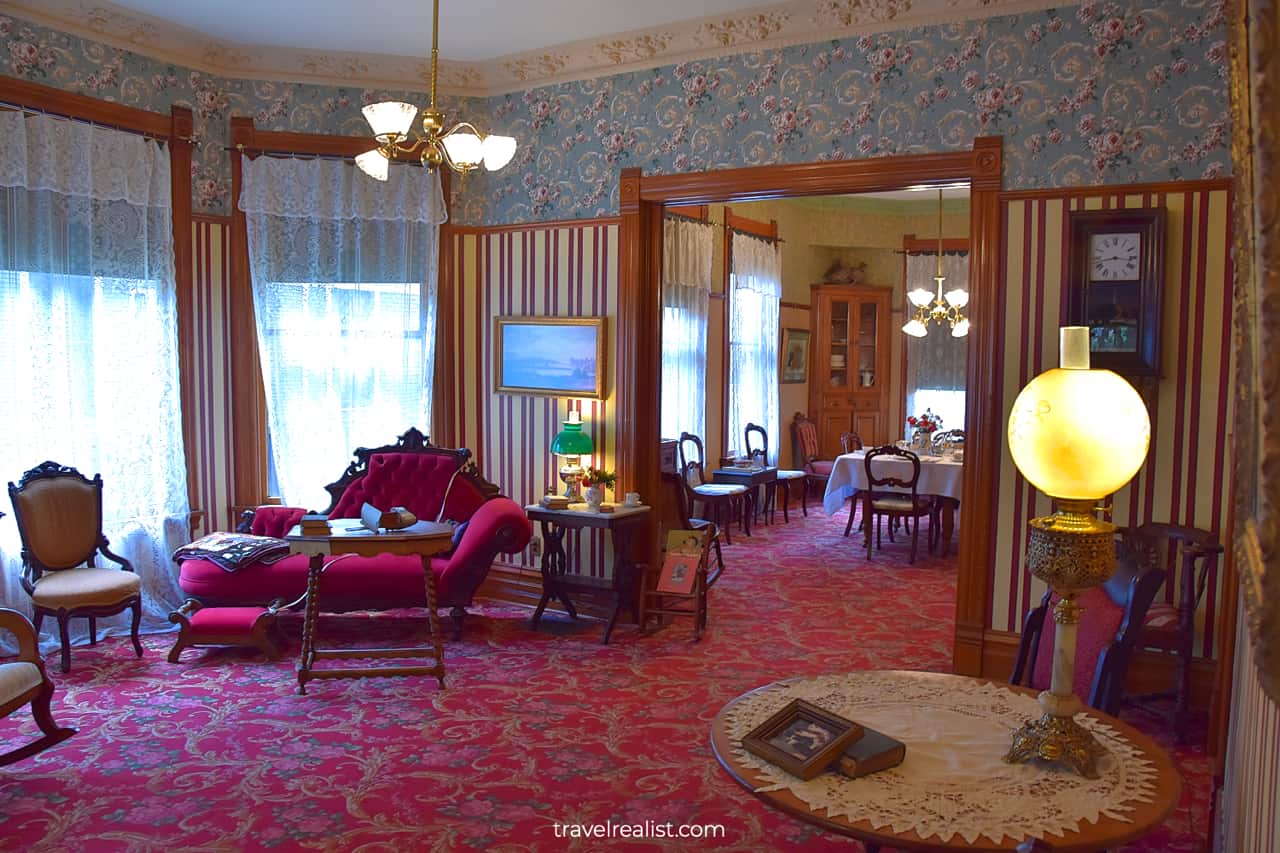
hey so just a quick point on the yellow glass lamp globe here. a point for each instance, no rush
(1077, 433)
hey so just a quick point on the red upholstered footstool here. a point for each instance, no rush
(225, 626)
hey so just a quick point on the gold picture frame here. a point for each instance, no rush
(550, 356)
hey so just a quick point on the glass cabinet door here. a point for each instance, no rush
(868, 335)
(838, 354)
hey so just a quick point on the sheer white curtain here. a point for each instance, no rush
(344, 293)
(686, 295)
(755, 288)
(88, 347)
(936, 363)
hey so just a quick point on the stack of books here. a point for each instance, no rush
(555, 502)
(871, 753)
(315, 524)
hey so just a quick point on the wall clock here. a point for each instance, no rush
(1115, 279)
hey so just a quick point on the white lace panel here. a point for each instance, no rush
(89, 355)
(686, 295)
(953, 781)
(344, 293)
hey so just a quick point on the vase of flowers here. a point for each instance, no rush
(922, 429)
(594, 482)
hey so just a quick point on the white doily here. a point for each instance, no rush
(953, 780)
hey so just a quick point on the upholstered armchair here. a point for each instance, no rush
(59, 515)
(24, 681)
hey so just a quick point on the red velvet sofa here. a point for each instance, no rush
(411, 473)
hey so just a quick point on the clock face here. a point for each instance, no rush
(1114, 257)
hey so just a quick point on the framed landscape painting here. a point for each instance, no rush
(550, 356)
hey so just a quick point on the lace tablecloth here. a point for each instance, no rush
(953, 781)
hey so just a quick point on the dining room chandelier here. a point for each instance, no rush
(462, 148)
(937, 308)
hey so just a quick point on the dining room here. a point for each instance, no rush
(806, 319)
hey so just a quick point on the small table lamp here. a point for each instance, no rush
(572, 443)
(1077, 435)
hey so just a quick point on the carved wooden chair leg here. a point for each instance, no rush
(457, 615)
(39, 617)
(93, 630)
(64, 634)
(137, 623)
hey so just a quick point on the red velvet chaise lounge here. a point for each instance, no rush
(411, 473)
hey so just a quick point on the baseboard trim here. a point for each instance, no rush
(1149, 672)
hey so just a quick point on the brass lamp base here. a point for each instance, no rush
(1058, 739)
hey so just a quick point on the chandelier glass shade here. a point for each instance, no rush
(938, 307)
(462, 147)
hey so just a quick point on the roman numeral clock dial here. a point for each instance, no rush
(1114, 257)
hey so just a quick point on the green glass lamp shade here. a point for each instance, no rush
(571, 441)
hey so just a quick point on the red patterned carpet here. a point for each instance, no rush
(220, 753)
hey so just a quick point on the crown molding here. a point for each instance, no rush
(768, 27)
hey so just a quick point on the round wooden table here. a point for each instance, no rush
(1106, 833)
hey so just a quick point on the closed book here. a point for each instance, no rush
(871, 753)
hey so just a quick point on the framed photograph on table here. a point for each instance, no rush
(802, 738)
(795, 356)
(1115, 282)
(550, 356)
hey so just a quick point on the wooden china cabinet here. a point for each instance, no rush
(849, 384)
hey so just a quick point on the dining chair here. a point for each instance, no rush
(722, 501)
(59, 515)
(785, 476)
(884, 496)
(1110, 626)
(805, 448)
(1189, 557)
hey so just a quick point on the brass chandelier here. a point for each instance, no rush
(462, 148)
(944, 309)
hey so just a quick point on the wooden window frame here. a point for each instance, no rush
(247, 393)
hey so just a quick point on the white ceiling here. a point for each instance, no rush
(470, 30)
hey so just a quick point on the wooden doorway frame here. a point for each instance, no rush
(641, 202)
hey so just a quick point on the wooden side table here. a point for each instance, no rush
(558, 582)
(423, 539)
(764, 477)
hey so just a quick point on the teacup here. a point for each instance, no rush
(632, 499)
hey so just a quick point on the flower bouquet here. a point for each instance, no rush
(594, 482)
(923, 427)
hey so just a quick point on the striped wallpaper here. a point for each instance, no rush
(556, 270)
(211, 368)
(1185, 479)
(1250, 797)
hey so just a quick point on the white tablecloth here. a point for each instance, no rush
(938, 476)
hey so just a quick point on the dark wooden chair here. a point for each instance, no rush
(1189, 557)
(1110, 624)
(785, 476)
(806, 449)
(882, 498)
(59, 515)
(721, 502)
(24, 681)
(850, 441)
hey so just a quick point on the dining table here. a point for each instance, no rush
(942, 476)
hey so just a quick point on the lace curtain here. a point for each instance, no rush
(344, 293)
(936, 363)
(686, 296)
(755, 288)
(89, 354)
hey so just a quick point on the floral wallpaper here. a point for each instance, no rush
(1095, 93)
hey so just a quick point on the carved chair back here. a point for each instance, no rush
(890, 475)
(59, 516)
(804, 440)
(850, 441)
(692, 459)
(752, 451)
